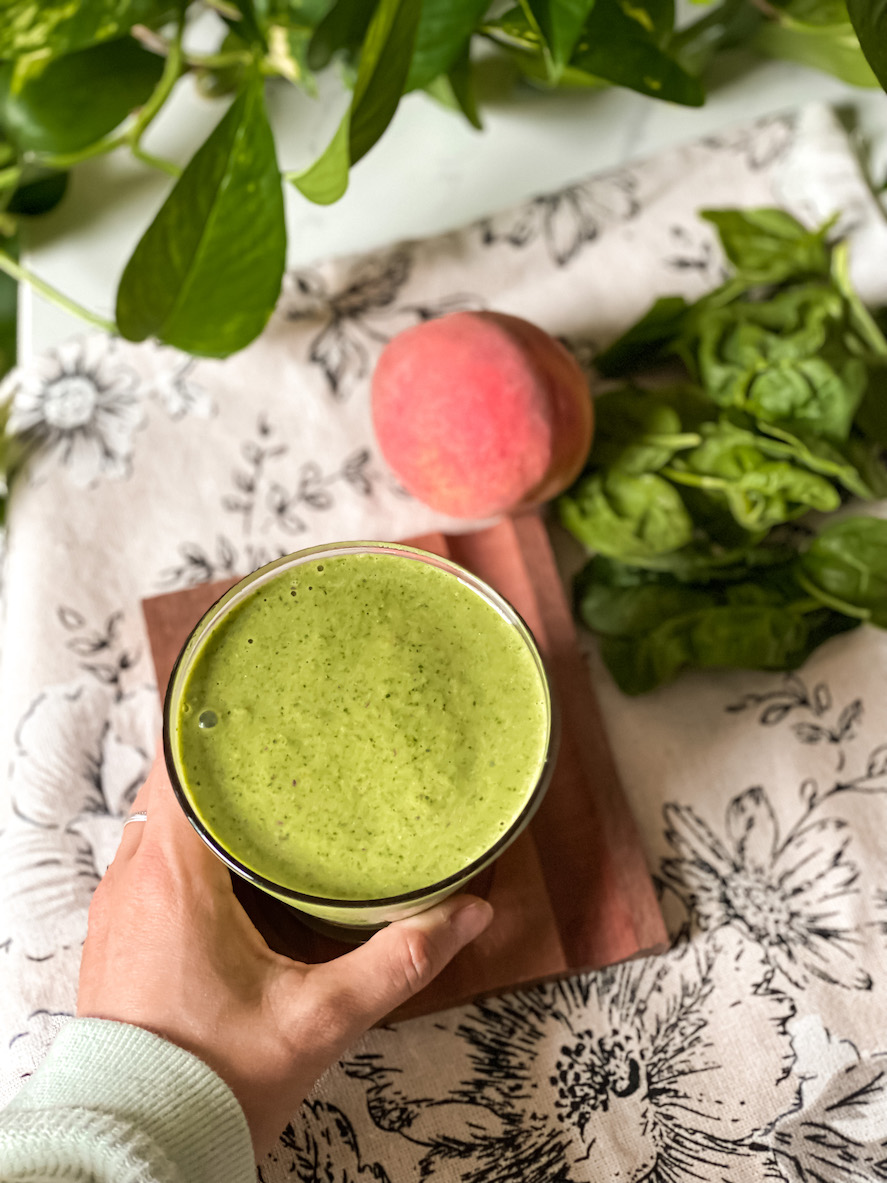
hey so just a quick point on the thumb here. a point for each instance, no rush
(370, 981)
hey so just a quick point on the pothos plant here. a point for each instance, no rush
(78, 80)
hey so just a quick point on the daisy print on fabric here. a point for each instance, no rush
(836, 1132)
(78, 408)
(796, 895)
(629, 1074)
(360, 317)
(566, 221)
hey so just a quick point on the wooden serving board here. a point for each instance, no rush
(573, 892)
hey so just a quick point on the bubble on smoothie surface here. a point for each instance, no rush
(207, 719)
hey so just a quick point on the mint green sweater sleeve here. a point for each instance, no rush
(115, 1104)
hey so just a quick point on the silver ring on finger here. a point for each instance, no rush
(140, 816)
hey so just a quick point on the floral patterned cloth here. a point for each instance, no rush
(756, 1048)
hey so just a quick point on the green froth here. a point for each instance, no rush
(380, 726)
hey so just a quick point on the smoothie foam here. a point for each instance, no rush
(360, 727)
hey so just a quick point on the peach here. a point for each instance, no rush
(480, 413)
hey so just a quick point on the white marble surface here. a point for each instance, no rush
(430, 172)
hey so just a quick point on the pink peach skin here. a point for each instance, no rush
(480, 413)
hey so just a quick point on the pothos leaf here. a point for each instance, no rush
(40, 195)
(100, 85)
(384, 62)
(444, 31)
(327, 178)
(832, 48)
(382, 73)
(461, 81)
(207, 272)
(343, 28)
(560, 23)
(59, 26)
(869, 18)
(625, 50)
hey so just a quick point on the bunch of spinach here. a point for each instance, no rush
(78, 80)
(776, 407)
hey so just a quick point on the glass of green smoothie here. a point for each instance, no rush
(359, 729)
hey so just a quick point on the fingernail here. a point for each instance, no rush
(469, 922)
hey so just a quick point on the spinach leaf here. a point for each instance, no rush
(846, 568)
(652, 627)
(444, 31)
(646, 341)
(864, 337)
(207, 272)
(871, 418)
(626, 515)
(852, 464)
(101, 85)
(616, 600)
(757, 636)
(705, 562)
(55, 27)
(621, 44)
(784, 359)
(760, 492)
(637, 431)
(869, 19)
(769, 245)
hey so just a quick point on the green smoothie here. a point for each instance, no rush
(361, 726)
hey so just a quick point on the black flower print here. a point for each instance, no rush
(792, 698)
(103, 654)
(320, 1145)
(175, 387)
(694, 253)
(568, 220)
(257, 454)
(836, 1132)
(197, 564)
(759, 144)
(81, 752)
(628, 1074)
(795, 896)
(266, 507)
(79, 407)
(361, 316)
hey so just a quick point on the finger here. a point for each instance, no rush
(132, 833)
(168, 826)
(370, 981)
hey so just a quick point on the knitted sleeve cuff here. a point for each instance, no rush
(114, 1102)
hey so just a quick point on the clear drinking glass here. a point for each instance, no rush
(356, 915)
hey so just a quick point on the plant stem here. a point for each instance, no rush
(172, 69)
(219, 61)
(12, 268)
(65, 160)
(132, 136)
(148, 158)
